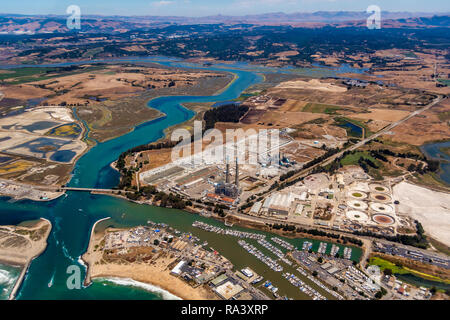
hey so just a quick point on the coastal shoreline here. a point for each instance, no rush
(166, 295)
(157, 275)
(24, 261)
(87, 279)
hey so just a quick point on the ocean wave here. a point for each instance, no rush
(7, 281)
(6, 278)
(66, 252)
(166, 295)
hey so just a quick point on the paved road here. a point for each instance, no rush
(91, 190)
(365, 141)
(358, 145)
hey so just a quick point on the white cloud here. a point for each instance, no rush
(161, 3)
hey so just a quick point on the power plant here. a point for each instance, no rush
(228, 189)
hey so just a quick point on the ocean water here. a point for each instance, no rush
(8, 277)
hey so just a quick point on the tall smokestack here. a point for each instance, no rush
(227, 178)
(237, 173)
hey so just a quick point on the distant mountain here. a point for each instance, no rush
(20, 24)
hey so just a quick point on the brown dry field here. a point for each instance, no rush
(373, 96)
(302, 153)
(377, 119)
(418, 76)
(24, 92)
(316, 131)
(376, 125)
(427, 127)
(328, 60)
(382, 114)
(110, 82)
(293, 105)
(113, 118)
(116, 82)
(286, 119)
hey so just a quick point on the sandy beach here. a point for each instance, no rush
(156, 274)
(20, 245)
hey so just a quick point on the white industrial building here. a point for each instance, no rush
(280, 203)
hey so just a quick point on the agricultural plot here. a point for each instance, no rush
(321, 108)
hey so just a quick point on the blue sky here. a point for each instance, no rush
(212, 7)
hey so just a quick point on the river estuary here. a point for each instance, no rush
(74, 214)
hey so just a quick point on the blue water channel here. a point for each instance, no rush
(74, 214)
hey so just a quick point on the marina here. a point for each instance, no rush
(283, 243)
(295, 281)
(347, 253)
(322, 248)
(228, 232)
(307, 245)
(272, 264)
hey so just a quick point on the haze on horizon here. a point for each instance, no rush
(198, 8)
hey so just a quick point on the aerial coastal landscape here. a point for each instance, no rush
(169, 152)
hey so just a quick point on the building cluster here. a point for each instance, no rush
(196, 262)
(348, 201)
(405, 291)
(193, 262)
(356, 83)
(238, 286)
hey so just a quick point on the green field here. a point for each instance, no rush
(321, 108)
(30, 74)
(384, 264)
(400, 270)
(22, 75)
(352, 159)
(445, 81)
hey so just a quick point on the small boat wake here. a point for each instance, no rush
(52, 280)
